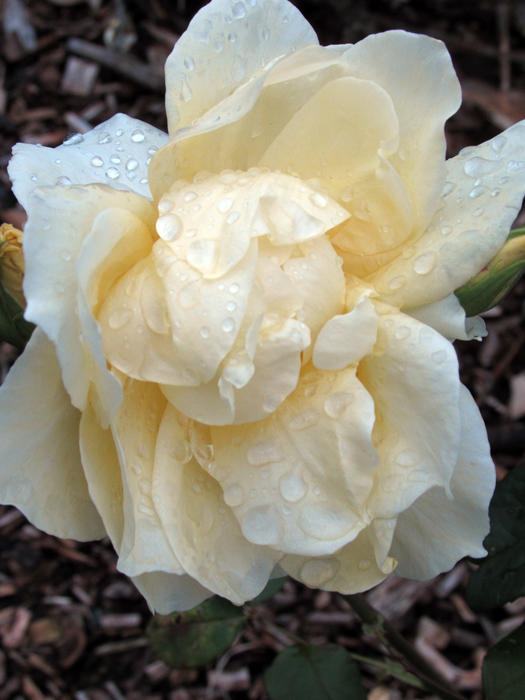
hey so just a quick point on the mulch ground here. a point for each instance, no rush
(70, 625)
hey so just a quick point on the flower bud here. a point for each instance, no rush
(12, 262)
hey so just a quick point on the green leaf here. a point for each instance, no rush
(488, 288)
(271, 588)
(14, 328)
(316, 673)
(193, 638)
(504, 668)
(501, 575)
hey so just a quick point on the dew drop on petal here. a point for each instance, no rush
(304, 420)
(132, 164)
(189, 296)
(425, 263)
(137, 136)
(234, 288)
(402, 332)
(336, 404)
(396, 282)
(168, 227)
(224, 205)
(233, 495)
(406, 458)
(228, 325)
(498, 143)
(292, 487)
(264, 453)
(119, 318)
(204, 332)
(261, 526)
(63, 181)
(317, 572)
(477, 167)
(319, 200)
(112, 173)
(97, 162)
(238, 10)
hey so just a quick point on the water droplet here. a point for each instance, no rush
(406, 458)
(115, 159)
(65, 255)
(478, 212)
(304, 420)
(205, 332)
(477, 167)
(74, 140)
(514, 166)
(228, 325)
(476, 192)
(190, 196)
(498, 143)
(181, 451)
(165, 206)
(112, 173)
(231, 306)
(146, 510)
(260, 525)
(263, 453)
(232, 37)
(445, 230)
(396, 282)
(186, 93)
(234, 288)
(169, 227)
(238, 10)
(326, 523)
(402, 332)
(202, 253)
(104, 138)
(494, 193)
(189, 296)
(318, 200)
(364, 564)
(34, 178)
(137, 136)
(233, 495)
(270, 403)
(292, 487)
(97, 162)
(317, 572)
(132, 164)
(224, 205)
(63, 181)
(448, 187)
(189, 63)
(119, 318)
(233, 217)
(337, 403)
(425, 263)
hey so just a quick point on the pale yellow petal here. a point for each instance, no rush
(202, 531)
(438, 530)
(41, 473)
(274, 472)
(167, 593)
(448, 317)
(481, 199)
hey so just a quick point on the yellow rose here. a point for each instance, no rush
(243, 362)
(12, 262)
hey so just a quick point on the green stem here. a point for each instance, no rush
(380, 627)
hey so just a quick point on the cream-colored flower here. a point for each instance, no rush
(12, 262)
(243, 362)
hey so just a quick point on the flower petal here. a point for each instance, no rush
(346, 338)
(115, 153)
(438, 529)
(167, 593)
(448, 317)
(413, 379)
(202, 531)
(144, 546)
(227, 42)
(350, 570)
(41, 472)
(50, 282)
(481, 199)
(406, 66)
(327, 421)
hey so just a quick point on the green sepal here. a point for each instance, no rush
(493, 283)
(14, 329)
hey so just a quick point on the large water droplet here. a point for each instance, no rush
(137, 136)
(169, 227)
(498, 142)
(97, 162)
(317, 572)
(264, 453)
(238, 10)
(476, 192)
(425, 263)
(326, 523)
(112, 173)
(477, 167)
(132, 164)
(260, 525)
(292, 487)
(119, 318)
(234, 288)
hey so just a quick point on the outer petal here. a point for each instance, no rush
(167, 593)
(448, 317)
(144, 546)
(438, 530)
(226, 43)
(203, 533)
(417, 73)
(315, 510)
(350, 570)
(413, 379)
(51, 281)
(116, 153)
(481, 199)
(41, 473)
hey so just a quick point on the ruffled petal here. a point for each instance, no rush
(413, 379)
(481, 198)
(167, 593)
(438, 530)
(448, 317)
(41, 472)
(116, 153)
(59, 220)
(418, 74)
(328, 420)
(226, 43)
(144, 546)
(203, 533)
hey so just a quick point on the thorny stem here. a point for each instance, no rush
(378, 626)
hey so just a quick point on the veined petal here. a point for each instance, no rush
(481, 198)
(352, 569)
(226, 43)
(114, 153)
(50, 282)
(413, 379)
(448, 317)
(406, 66)
(144, 546)
(41, 473)
(203, 533)
(166, 593)
(327, 421)
(437, 529)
